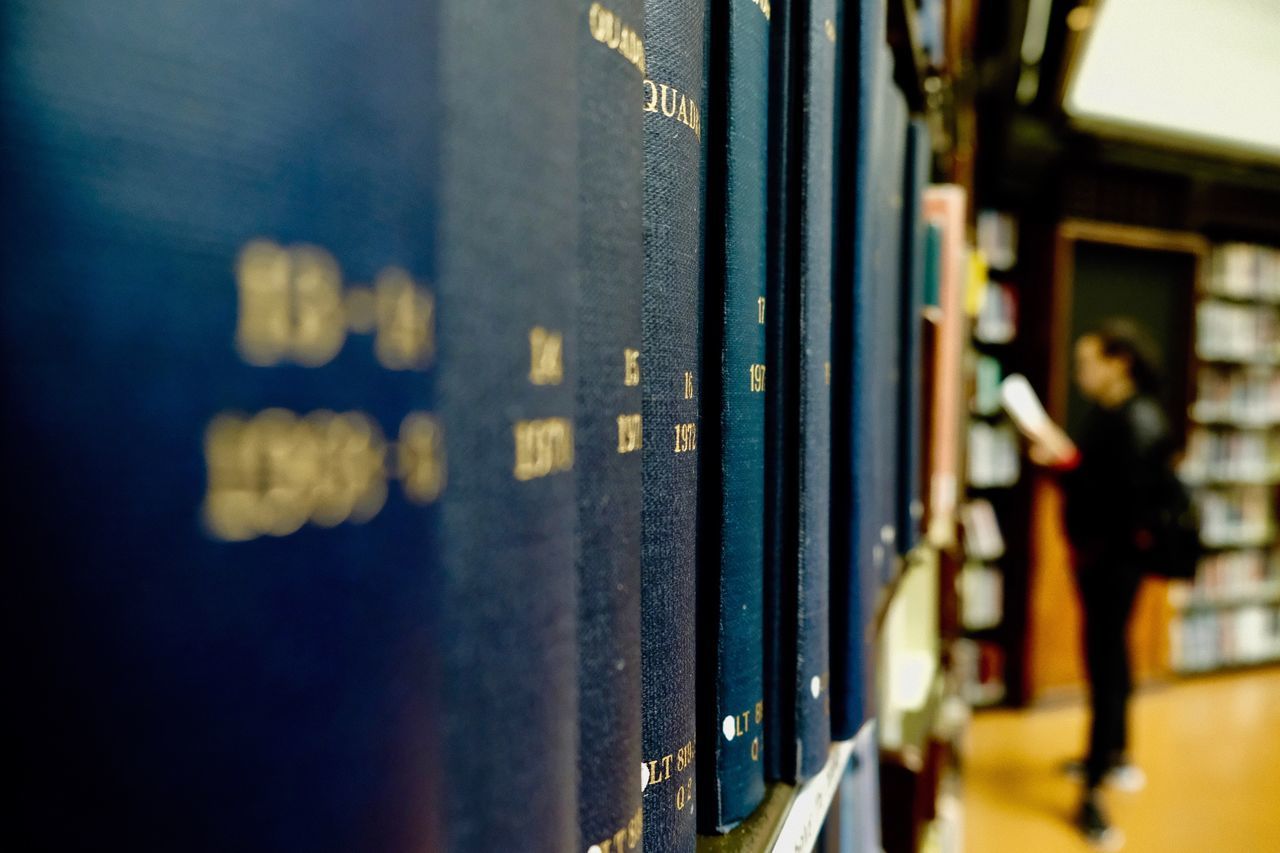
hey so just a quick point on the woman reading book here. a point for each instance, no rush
(1112, 472)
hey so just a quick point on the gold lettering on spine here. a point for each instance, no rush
(624, 838)
(684, 794)
(608, 29)
(651, 96)
(660, 770)
(546, 356)
(404, 314)
(674, 105)
(688, 385)
(629, 433)
(826, 371)
(271, 473)
(421, 458)
(764, 7)
(668, 111)
(830, 29)
(686, 437)
(757, 378)
(291, 305)
(293, 308)
(542, 447)
(684, 757)
(631, 367)
(760, 310)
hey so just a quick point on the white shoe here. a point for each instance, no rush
(1127, 777)
(1110, 839)
(1097, 830)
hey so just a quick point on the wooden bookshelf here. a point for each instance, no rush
(1211, 629)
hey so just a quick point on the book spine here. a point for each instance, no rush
(509, 626)
(855, 531)
(674, 123)
(608, 430)
(780, 421)
(298, 571)
(944, 207)
(911, 390)
(731, 548)
(813, 546)
(800, 568)
(887, 284)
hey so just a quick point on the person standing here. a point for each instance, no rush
(1111, 472)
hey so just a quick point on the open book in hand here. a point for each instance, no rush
(1028, 414)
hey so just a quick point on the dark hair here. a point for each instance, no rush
(1121, 337)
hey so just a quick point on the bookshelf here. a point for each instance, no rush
(791, 818)
(1229, 615)
(988, 654)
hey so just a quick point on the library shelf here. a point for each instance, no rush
(1260, 299)
(1243, 422)
(1263, 594)
(1227, 667)
(791, 817)
(1210, 480)
(1238, 360)
(1238, 543)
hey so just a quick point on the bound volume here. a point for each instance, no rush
(295, 454)
(670, 387)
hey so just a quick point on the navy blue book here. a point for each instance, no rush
(859, 556)
(669, 382)
(801, 664)
(886, 285)
(811, 682)
(288, 450)
(731, 505)
(781, 399)
(911, 305)
(608, 429)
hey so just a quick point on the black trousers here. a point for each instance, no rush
(1108, 586)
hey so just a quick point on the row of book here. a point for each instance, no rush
(1236, 515)
(460, 425)
(1228, 577)
(997, 234)
(995, 455)
(1227, 331)
(981, 596)
(988, 373)
(979, 667)
(1241, 396)
(1244, 271)
(1207, 640)
(997, 318)
(1232, 456)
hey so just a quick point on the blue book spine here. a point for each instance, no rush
(911, 389)
(886, 285)
(669, 382)
(858, 555)
(811, 682)
(296, 461)
(609, 428)
(731, 548)
(799, 572)
(781, 404)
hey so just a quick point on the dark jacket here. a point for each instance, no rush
(1113, 491)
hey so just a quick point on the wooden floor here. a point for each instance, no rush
(1210, 748)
